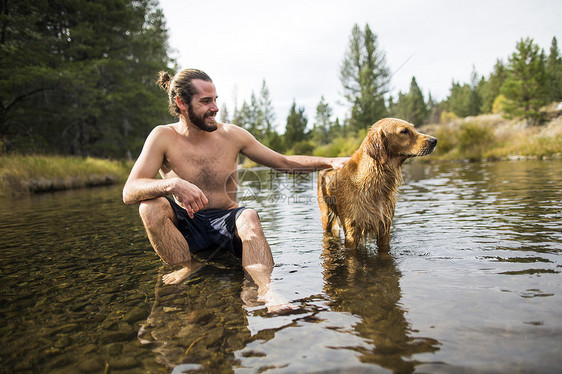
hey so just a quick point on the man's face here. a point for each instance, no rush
(203, 107)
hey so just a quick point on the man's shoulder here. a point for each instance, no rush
(235, 130)
(163, 131)
(229, 127)
(241, 136)
(160, 137)
(169, 128)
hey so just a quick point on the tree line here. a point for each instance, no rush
(518, 87)
(77, 78)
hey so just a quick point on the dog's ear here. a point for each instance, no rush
(375, 146)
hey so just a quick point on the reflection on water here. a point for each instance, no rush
(471, 283)
(200, 321)
(366, 283)
(479, 247)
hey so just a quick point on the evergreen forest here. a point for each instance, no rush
(78, 78)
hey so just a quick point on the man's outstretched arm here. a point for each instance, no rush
(263, 155)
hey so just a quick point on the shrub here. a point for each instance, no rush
(447, 117)
(475, 140)
(303, 147)
(446, 138)
(499, 102)
(340, 146)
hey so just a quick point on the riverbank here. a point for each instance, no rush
(491, 137)
(33, 174)
(485, 137)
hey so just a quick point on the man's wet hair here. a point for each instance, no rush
(180, 85)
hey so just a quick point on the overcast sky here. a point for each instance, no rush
(298, 46)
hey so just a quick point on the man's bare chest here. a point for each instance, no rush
(207, 167)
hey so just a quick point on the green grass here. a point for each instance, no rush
(25, 174)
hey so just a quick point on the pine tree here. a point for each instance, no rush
(295, 131)
(400, 108)
(266, 110)
(272, 139)
(490, 90)
(475, 100)
(251, 117)
(525, 85)
(242, 115)
(464, 99)
(417, 107)
(554, 73)
(411, 106)
(322, 130)
(78, 77)
(459, 100)
(365, 78)
(258, 118)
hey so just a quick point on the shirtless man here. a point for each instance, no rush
(197, 159)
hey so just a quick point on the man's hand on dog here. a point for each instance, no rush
(338, 162)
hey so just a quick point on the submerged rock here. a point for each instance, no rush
(117, 336)
(122, 363)
(114, 348)
(136, 314)
(92, 365)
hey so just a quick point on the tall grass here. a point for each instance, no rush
(23, 174)
(538, 146)
(480, 140)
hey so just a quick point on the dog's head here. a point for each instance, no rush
(392, 138)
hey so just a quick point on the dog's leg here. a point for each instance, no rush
(325, 214)
(326, 204)
(322, 204)
(329, 220)
(351, 239)
(383, 236)
(350, 243)
(334, 222)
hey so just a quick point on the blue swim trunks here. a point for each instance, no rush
(209, 229)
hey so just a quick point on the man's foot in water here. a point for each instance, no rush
(276, 303)
(182, 274)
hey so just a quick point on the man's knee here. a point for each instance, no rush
(153, 212)
(248, 224)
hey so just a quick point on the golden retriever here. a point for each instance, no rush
(361, 196)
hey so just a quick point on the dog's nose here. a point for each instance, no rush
(432, 141)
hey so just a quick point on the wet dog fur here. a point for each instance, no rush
(361, 196)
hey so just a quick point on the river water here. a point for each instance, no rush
(471, 283)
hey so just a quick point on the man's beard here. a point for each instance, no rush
(200, 121)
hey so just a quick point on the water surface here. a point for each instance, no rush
(471, 283)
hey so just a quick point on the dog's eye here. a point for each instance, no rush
(405, 131)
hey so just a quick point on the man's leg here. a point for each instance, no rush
(257, 259)
(160, 223)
